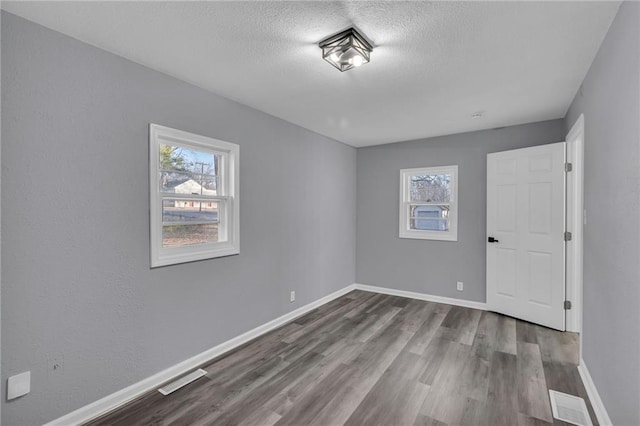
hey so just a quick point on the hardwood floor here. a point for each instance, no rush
(374, 359)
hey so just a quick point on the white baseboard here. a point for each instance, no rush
(117, 399)
(594, 396)
(128, 394)
(423, 296)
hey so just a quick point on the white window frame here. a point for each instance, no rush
(405, 204)
(228, 215)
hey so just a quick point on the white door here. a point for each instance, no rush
(525, 234)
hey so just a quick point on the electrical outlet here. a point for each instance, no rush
(460, 286)
(292, 298)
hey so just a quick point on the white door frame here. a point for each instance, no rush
(575, 221)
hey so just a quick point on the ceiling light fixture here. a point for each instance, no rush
(346, 50)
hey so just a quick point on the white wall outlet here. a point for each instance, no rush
(19, 385)
(460, 286)
(292, 297)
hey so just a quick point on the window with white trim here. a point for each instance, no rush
(194, 212)
(429, 203)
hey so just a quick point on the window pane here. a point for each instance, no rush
(189, 211)
(429, 224)
(430, 188)
(186, 183)
(189, 171)
(183, 235)
(429, 218)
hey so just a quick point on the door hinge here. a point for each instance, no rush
(568, 167)
(567, 304)
(567, 236)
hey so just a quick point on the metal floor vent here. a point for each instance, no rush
(569, 408)
(182, 381)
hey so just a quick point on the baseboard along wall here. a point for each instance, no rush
(594, 396)
(122, 397)
(128, 394)
(422, 296)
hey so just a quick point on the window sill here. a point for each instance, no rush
(176, 259)
(422, 235)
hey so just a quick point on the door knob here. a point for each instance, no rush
(493, 240)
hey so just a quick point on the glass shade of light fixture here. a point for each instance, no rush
(346, 50)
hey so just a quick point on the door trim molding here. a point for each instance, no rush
(575, 225)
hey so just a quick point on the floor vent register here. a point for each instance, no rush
(569, 408)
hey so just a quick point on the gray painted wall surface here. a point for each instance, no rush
(75, 223)
(0, 218)
(433, 267)
(610, 101)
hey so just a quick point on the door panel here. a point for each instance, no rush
(526, 216)
(506, 279)
(506, 221)
(540, 278)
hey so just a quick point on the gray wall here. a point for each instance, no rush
(610, 101)
(426, 266)
(0, 220)
(75, 223)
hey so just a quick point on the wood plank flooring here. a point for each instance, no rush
(374, 359)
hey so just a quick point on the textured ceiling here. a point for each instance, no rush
(434, 63)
